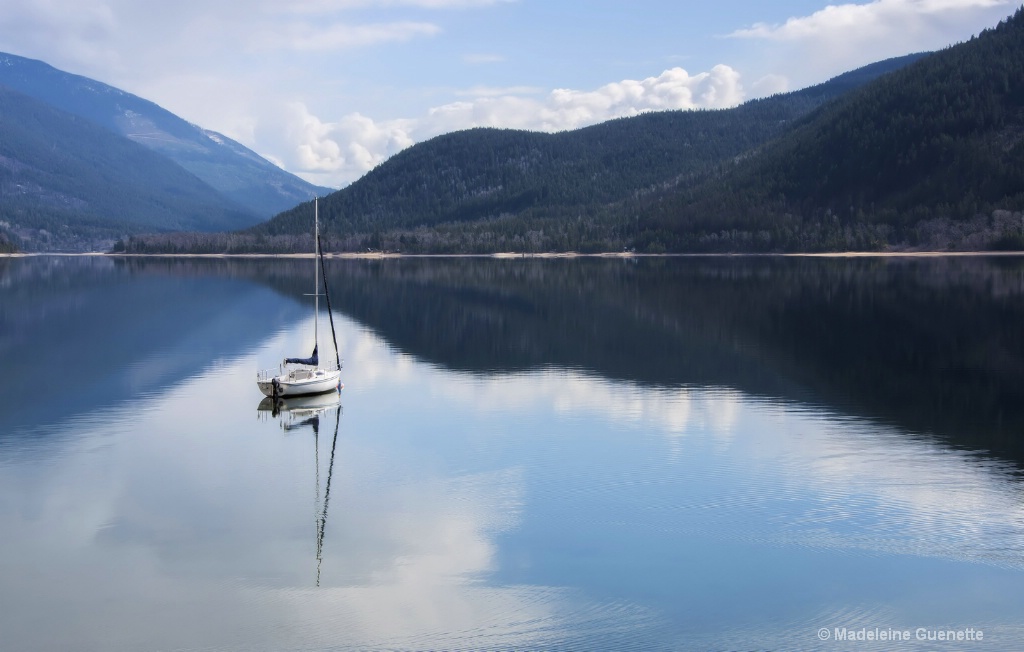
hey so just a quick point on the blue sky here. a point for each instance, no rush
(330, 88)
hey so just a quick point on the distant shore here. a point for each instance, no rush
(375, 255)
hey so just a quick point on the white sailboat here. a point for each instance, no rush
(306, 376)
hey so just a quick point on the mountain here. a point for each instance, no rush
(6, 246)
(931, 156)
(230, 168)
(69, 184)
(493, 189)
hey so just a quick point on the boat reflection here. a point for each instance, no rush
(293, 408)
(296, 413)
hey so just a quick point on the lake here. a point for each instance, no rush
(668, 453)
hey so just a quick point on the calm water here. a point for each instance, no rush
(660, 454)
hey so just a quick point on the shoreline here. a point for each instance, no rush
(543, 255)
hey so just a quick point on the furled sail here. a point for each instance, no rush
(312, 360)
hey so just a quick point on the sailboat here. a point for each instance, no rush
(306, 376)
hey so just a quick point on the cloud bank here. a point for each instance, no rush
(335, 153)
(307, 37)
(861, 22)
(843, 37)
(328, 89)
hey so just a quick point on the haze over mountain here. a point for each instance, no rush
(494, 190)
(230, 168)
(67, 184)
(923, 151)
(929, 156)
(542, 182)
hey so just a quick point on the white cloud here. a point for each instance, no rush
(843, 37)
(881, 18)
(290, 81)
(673, 89)
(769, 85)
(309, 37)
(83, 30)
(483, 58)
(491, 91)
(330, 153)
(337, 153)
(326, 6)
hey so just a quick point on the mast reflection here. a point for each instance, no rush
(296, 413)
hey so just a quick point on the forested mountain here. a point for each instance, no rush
(67, 183)
(492, 189)
(930, 156)
(230, 168)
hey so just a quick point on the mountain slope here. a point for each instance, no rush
(67, 183)
(931, 156)
(491, 189)
(227, 166)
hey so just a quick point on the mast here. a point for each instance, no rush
(327, 295)
(322, 520)
(316, 275)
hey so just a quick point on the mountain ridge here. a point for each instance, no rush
(226, 165)
(524, 185)
(69, 184)
(921, 151)
(931, 156)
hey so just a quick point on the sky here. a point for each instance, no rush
(329, 89)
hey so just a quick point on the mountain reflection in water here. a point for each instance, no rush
(691, 453)
(932, 345)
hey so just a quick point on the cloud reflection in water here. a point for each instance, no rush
(179, 521)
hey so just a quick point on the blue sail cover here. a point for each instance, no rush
(312, 360)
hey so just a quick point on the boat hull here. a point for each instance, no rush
(303, 406)
(301, 383)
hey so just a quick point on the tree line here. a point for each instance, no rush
(923, 152)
